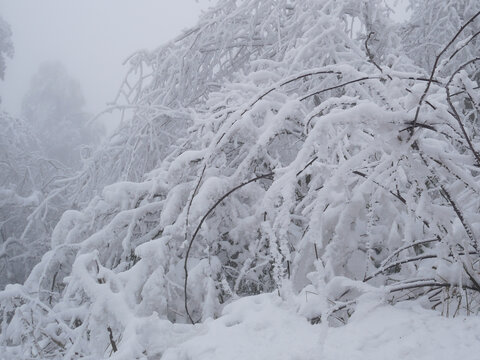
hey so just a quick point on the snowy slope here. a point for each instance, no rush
(264, 327)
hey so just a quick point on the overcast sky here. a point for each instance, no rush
(90, 37)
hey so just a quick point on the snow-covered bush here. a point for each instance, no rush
(277, 146)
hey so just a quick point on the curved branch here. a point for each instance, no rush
(399, 250)
(191, 200)
(185, 265)
(341, 85)
(400, 262)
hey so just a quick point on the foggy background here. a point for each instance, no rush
(91, 38)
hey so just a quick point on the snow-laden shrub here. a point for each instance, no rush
(269, 148)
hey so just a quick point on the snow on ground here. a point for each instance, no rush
(265, 327)
(253, 328)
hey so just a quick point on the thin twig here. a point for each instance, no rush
(112, 341)
(398, 196)
(306, 166)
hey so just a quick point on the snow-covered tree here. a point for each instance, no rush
(6, 45)
(27, 213)
(25, 179)
(54, 107)
(32, 197)
(277, 146)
